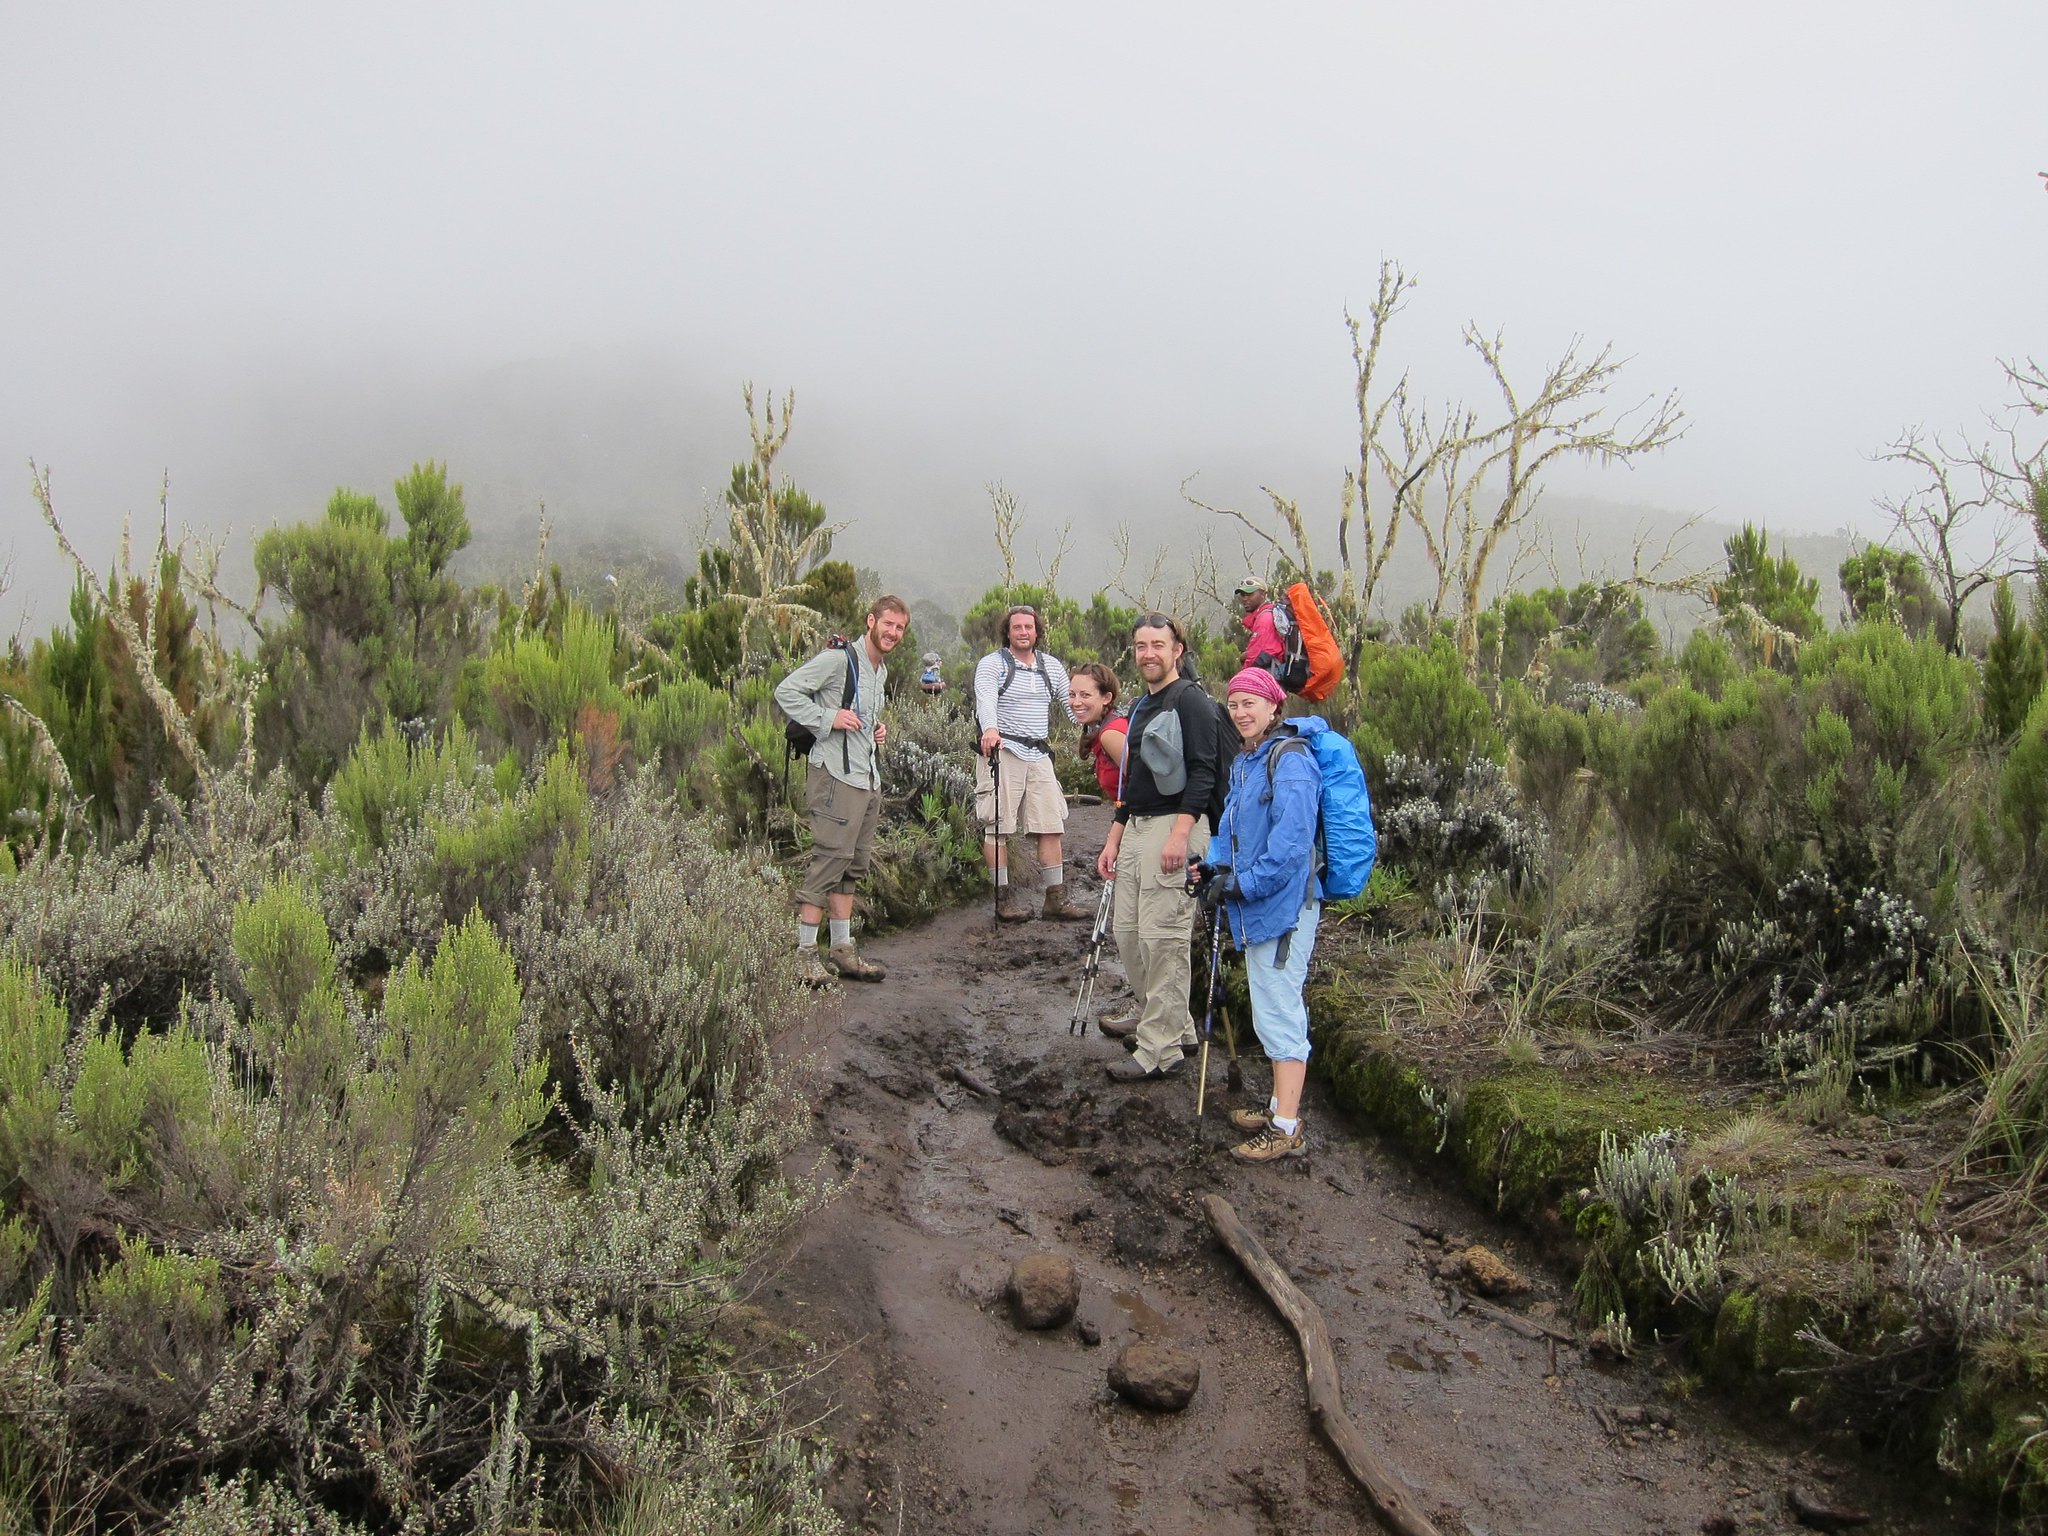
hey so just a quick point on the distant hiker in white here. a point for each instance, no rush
(1014, 691)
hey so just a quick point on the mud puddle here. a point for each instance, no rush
(949, 1419)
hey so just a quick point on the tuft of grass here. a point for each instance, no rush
(1753, 1143)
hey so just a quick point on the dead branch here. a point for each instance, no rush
(1062, 546)
(1961, 484)
(48, 758)
(140, 639)
(1391, 1501)
(1009, 516)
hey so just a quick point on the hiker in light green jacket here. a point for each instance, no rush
(837, 697)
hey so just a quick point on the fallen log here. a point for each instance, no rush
(1392, 1502)
(1527, 1327)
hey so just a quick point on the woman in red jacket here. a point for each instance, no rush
(1092, 692)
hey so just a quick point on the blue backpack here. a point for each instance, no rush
(1344, 833)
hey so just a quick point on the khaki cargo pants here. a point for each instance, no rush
(843, 821)
(1155, 929)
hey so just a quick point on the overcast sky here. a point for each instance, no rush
(1008, 239)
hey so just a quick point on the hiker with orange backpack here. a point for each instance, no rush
(1291, 638)
(1256, 611)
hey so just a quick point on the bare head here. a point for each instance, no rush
(1020, 629)
(1157, 646)
(1092, 692)
(888, 618)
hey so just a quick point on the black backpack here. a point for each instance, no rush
(801, 738)
(1291, 667)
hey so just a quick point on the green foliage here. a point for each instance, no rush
(1417, 701)
(125, 1101)
(298, 1025)
(541, 830)
(1887, 585)
(32, 1034)
(1594, 634)
(448, 1094)
(374, 629)
(390, 782)
(2015, 668)
(1767, 606)
(542, 683)
(2023, 786)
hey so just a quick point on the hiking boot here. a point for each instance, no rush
(1059, 909)
(810, 967)
(1012, 908)
(1128, 1071)
(1119, 1026)
(846, 961)
(1272, 1145)
(1251, 1119)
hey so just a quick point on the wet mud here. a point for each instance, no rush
(948, 1418)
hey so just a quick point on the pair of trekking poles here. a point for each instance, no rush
(1084, 997)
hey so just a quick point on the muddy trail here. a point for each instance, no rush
(949, 1418)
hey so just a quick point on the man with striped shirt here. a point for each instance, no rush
(1014, 691)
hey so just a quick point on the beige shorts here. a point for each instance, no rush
(1032, 798)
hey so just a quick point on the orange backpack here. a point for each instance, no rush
(1318, 644)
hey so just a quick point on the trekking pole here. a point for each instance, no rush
(995, 831)
(1078, 1025)
(1209, 1008)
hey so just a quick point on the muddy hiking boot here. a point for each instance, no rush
(1128, 1071)
(1271, 1145)
(1120, 1025)
(810, 968)
(1251, 1119)
(846, 961)
(1060, 910)
(1012, 908)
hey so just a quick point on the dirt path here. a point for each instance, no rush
(952, 1420)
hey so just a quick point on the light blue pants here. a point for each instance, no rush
(1278, 1013)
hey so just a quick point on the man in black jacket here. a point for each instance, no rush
(1161, 824)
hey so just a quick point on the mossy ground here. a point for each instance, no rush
(1522, 1130)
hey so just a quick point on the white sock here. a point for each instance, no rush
(1286, 1127)
(806, 935)
(842, 931)
(1002, 874)
(1272, 1106)
(1053, 875)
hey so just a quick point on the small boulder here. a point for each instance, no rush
(1043, 1291)
(1481, 1271)
(1155, 1376)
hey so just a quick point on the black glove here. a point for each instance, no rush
(1212, 882)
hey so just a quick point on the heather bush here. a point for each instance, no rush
(308, 1238)
(678, 965)
(1457, 819)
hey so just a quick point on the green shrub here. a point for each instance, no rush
(1416, 700)
(2015, 668)
(2023, 787)
(486, 858)
(390, 782)
(32, 1034)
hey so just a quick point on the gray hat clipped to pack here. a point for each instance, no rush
(1161, 750)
